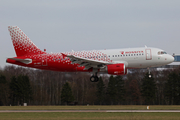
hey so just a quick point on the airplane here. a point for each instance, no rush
(111, 61)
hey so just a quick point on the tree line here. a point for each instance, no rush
(20, 85)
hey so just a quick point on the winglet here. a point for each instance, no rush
(64, 55)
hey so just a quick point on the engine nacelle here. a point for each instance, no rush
(117, 69)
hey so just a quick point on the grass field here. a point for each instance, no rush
(89, 116)
(93, 107)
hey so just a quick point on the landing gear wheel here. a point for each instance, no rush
(149, 72)
(94, 78)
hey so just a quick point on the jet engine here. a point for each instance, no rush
(117, 69)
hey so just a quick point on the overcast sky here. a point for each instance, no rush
(65, 25)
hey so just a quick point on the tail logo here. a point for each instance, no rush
(22, 44)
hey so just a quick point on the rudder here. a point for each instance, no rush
(22, 44)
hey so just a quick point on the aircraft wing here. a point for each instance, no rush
(88, 63)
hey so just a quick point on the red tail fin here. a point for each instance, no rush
(22, 44)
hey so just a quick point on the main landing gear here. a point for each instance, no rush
(94, 78)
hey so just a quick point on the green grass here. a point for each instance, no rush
(93, 107)
(89, 116)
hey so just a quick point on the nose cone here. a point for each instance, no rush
(170, 58)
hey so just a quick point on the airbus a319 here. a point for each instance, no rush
(112, 61)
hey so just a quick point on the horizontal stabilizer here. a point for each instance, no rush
(25, 61)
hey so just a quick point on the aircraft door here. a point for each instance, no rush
(44, 61)
(148, 54)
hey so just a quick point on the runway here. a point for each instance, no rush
(14, 111)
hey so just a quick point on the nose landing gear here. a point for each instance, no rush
(149, 72)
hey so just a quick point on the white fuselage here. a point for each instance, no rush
(139, 57)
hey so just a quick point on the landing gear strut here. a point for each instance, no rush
(94, 78)
(149, 72)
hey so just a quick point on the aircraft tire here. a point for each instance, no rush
(94, 78)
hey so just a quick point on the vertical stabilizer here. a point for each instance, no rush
(22, 44)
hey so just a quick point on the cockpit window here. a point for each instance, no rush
(161, 52)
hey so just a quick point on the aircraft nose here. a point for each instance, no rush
(171, 58)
